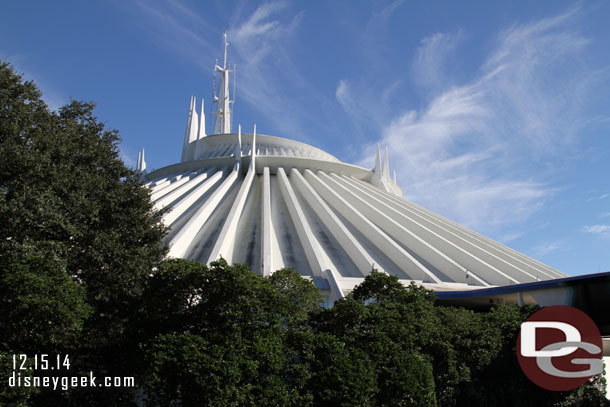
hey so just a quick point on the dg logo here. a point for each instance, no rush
(559, 348)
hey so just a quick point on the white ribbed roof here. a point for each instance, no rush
(300, 207)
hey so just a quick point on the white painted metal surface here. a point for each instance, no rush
(297, 206)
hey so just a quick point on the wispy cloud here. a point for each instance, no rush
(127, 154)
(598, 197)
(366, 98)
(268, 77)
(506, 238)
(469, 151)
(373, 47)
(429, 66)
(599, 230)
(258, 24)
(177, 27)
(548, 248)
(352, 107)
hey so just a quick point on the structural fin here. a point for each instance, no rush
(386, 165)
(238, 146)
(377, 168)
(252, 163)
(201, 130)
(190, 134)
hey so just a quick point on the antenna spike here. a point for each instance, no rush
(226, 46)
(222, 124)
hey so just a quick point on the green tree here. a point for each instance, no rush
(62, 181)
(43, 309)
(390, 324)
(340, 375)
(81, 227)
(299, 298)
(186, 369)
(228, 335)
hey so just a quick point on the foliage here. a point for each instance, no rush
(340, 375)
(62, 181)
(78, 232)
(222, 335)
(43, 308)
(185, 368)
(299, 299)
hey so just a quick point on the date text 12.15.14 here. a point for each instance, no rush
(41, 362)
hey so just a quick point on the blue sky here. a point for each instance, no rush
(496, 114)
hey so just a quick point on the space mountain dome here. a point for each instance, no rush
(271, 202)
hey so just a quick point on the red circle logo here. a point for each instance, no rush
(559, 348)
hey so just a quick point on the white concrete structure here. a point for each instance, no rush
(271, 202)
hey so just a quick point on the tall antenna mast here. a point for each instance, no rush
(222, 124)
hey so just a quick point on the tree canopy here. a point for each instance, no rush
(78, 233)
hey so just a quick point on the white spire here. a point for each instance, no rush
(386, 166)
(192, 132)
(200, 143)
(377, 168)
(381, 174)
(141, 166)
(222, 123)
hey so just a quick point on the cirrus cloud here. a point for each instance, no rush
(475, 150)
